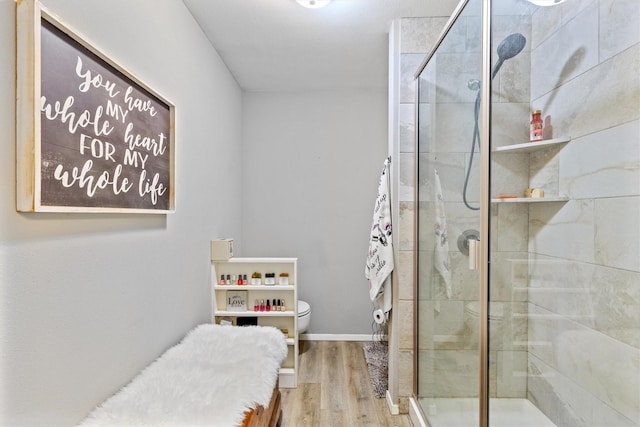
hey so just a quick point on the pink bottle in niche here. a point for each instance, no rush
(536, 126)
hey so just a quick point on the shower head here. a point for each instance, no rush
(473, 84)
(507, 49)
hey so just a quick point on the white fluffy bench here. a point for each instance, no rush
(217, 376)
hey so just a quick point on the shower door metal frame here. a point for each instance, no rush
(485, 205)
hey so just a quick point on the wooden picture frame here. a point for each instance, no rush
(90, 137)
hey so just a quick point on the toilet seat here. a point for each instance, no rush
(304, 316)
(303, 308)
(496, 310)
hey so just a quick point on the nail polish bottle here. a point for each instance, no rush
(282, 306)
(244, 279)
(222, 282)
(261, 305)
(256, 306)
(268, 306)
(240, 279)
(228, 279)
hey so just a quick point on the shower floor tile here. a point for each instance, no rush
(502, 413)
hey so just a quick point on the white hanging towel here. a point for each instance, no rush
(380, 256)
(441, 250)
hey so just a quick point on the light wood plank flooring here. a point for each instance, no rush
(334, 390)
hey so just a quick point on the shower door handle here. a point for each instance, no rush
(474, 254)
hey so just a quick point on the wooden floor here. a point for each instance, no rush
(334, 390)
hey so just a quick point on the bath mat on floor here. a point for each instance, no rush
(376, 355)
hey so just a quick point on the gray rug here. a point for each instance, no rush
(376, 355)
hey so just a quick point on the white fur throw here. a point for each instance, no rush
(209, 379)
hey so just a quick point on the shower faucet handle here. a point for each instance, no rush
(474, 253)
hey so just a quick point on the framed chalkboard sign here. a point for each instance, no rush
(90, 136)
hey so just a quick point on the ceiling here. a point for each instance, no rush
(278, 45)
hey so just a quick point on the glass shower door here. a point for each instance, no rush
(559, 280)
(448, 200)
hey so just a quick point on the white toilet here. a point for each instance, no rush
(496, 320)
(304, 316)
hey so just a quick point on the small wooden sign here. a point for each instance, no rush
(90, 136)
(236, 300)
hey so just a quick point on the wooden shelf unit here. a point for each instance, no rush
(287, 319)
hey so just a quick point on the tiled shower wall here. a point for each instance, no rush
(584, 275)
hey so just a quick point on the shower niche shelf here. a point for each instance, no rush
(531, 199)
(532, 146)
(529, 147)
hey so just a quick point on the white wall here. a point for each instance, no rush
(311, 162)
(87, 300)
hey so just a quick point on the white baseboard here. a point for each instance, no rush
(393, 408)
(338, 337)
